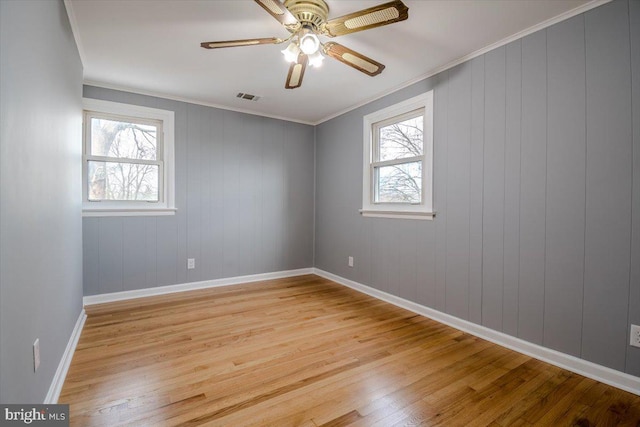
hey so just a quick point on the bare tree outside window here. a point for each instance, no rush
(398, 173)
(124, 161)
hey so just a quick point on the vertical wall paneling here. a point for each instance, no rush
(393, 245)
(134, 253)
(379, 251)
(196, 141)
(273, 190)
(633, 353)
(494, 188)
(151, 238)
(291, 194)
(457, 196)
(363, 257)
(425, 270)
(205, 258)
(166, 250)
(214, 250)
(403, 272)
(533, 154)
(407, 262)
(179, 227)
(248, 156)
(110, 250)
(232, 193)
(566, 161)
(389, 246)
(360, 248)
(299, 200)
(440, 153)
(257, 197)
(512, 188)
(91, 255)
(325, 253)
(346, 196)
(476, 187)
(608, 185)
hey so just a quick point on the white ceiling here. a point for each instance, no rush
(153, 47)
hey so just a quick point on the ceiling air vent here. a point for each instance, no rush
(247, 96)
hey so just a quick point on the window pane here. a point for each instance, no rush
(122, 181)
(126, 140)
(399, 183)
(401, 140)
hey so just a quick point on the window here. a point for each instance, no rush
(128, 160)
(398, 160)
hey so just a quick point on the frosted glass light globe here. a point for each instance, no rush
(315, 59)
(291, 53)
(309, 44)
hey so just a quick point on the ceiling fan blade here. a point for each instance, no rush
(365, 19)
(296, 72)
(353, 59)
(281, 13)
(235, 43)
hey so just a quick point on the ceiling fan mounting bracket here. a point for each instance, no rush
(310, 13)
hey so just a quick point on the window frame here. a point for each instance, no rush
(165, 120)
(371, 124)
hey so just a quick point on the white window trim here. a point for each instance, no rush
(424, 210)
(132, 208)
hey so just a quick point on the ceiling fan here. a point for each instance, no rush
(306, 20)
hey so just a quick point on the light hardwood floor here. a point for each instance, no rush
(305, 351)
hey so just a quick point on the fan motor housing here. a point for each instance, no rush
(310, 13)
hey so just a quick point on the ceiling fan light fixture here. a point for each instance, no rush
(309, 44)
(291, 52)
(315, 59)
(306, 20)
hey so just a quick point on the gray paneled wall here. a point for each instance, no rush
(537, 192)
(566, 186)
(40, 184)
(608, 184)
(245, 200)
(633, 356)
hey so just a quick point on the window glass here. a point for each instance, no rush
(400, 183)
(133, 144)
(123, 139)
(401, 139)
(122, 181)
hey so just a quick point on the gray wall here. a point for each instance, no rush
(40, 223)
(537, 168)
(244, 194)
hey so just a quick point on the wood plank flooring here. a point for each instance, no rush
(305, 351)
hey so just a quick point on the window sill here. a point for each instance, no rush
(398, 214)
(129, 212)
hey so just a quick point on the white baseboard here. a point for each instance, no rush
(63, 367)
(588, 369)
(162, 290)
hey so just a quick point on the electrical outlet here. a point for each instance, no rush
(350, 261)
(191, 263)
(36, 354)
(635, 336)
